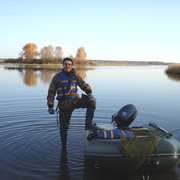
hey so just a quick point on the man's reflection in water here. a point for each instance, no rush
(63, 166)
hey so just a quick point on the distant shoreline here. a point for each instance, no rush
(125, 63)
(173, 68)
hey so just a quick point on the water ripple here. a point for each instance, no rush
(31, 148)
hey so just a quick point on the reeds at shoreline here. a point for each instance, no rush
(173, 69)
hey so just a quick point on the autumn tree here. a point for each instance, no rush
(81, 55)
(47, 52)
(58, 53)
(50, 54)
(30, 51)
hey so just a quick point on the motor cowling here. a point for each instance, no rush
(125, 116)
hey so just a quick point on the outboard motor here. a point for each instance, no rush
(125, 116)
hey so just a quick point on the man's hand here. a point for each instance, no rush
(91, 97)
(51, 111)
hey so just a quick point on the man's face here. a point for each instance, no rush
(67, 66)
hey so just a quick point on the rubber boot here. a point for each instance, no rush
(91, 106)
(89, 118)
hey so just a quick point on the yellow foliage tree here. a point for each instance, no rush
(47, 52)
(81, 55)
(30, 51)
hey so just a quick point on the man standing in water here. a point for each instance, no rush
(64, 84)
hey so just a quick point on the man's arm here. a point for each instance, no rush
(52, 91)
(83, 85)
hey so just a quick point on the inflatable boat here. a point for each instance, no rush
(130, 150)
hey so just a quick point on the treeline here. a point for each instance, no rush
(54, 55)
(47, 55)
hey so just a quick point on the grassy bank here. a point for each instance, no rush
(86, 63)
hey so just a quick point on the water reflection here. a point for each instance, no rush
(63, 166)
(30, 144)
(30, 78)
(98, 174)
(175, 77)
(31, 74)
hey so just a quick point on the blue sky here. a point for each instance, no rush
(142, 30)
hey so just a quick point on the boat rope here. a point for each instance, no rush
(57, 117)
(145, 177)
(174, 131)
(57, 114)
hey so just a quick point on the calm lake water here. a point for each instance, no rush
(30, 145)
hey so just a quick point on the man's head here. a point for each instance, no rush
(67, 64)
